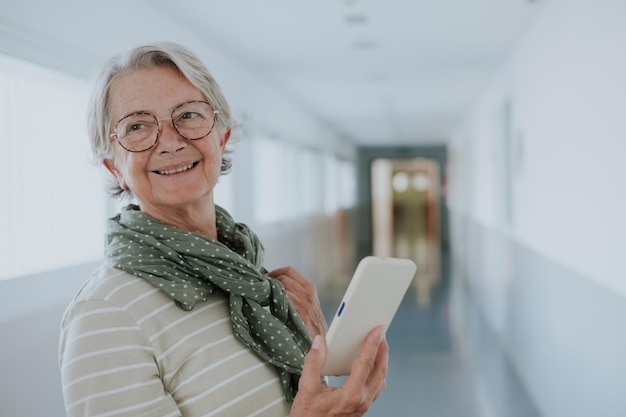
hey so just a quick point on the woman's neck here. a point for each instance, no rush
(193, 218)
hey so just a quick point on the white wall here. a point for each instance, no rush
(30, 316)
(551, 281)
(567, 83)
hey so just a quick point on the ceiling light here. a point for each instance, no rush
(356, 19)
(378, 78)
(365, 44)
(400, 182)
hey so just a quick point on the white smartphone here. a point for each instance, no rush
(371, 299)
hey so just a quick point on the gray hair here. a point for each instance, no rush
(163, 54)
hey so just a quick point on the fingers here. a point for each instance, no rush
(367, 379)
(310, 379)
(370, 367)
(377, 381)
(381, 361)
(359, 391)
(293, 280)
(296, 285)
(287, 271)
(303, 295)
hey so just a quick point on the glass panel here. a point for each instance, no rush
(54, 206)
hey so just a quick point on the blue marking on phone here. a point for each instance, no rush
(343, 304)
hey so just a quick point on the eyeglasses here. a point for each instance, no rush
(140, 131)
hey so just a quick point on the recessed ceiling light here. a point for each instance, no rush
(365, 44)
(356, 19)
(378, 78)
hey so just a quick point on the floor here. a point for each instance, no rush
(440, 367)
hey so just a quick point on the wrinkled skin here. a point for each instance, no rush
(364, 385)
(303, 295)
(367, 378)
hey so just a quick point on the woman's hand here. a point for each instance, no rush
(303, 295)
(365, 383)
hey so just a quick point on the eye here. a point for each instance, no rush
(135, 127)
(192, 113)
(189, 115)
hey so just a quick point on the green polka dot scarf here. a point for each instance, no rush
(190, 267)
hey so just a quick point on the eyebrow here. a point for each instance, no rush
(171, 109)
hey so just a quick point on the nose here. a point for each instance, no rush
(169, 140)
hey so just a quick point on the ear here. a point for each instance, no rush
(225, 139)
(109, 164)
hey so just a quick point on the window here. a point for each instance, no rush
(224, 193)
(309, 189)
(292, 182)
(267, 180)
(331, 189)
(346, 184)
(53, 204)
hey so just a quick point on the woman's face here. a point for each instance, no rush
(175, 173)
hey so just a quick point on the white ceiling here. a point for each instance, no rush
(378, 72)
(392, 71)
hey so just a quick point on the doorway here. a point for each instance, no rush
(405, 217)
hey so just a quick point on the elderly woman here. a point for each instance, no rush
(182, 319)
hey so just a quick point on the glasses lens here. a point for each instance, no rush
(194, 120)
(137, 132)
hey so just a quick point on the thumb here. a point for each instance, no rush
(313, 365)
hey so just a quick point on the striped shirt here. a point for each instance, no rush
(127, 350)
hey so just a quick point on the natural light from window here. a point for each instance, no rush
(53, 205)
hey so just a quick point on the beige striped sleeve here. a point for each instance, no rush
(127, 350)
(108, 365)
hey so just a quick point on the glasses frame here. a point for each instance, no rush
(159, 126)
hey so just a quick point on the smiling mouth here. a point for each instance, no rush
(177, 170)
